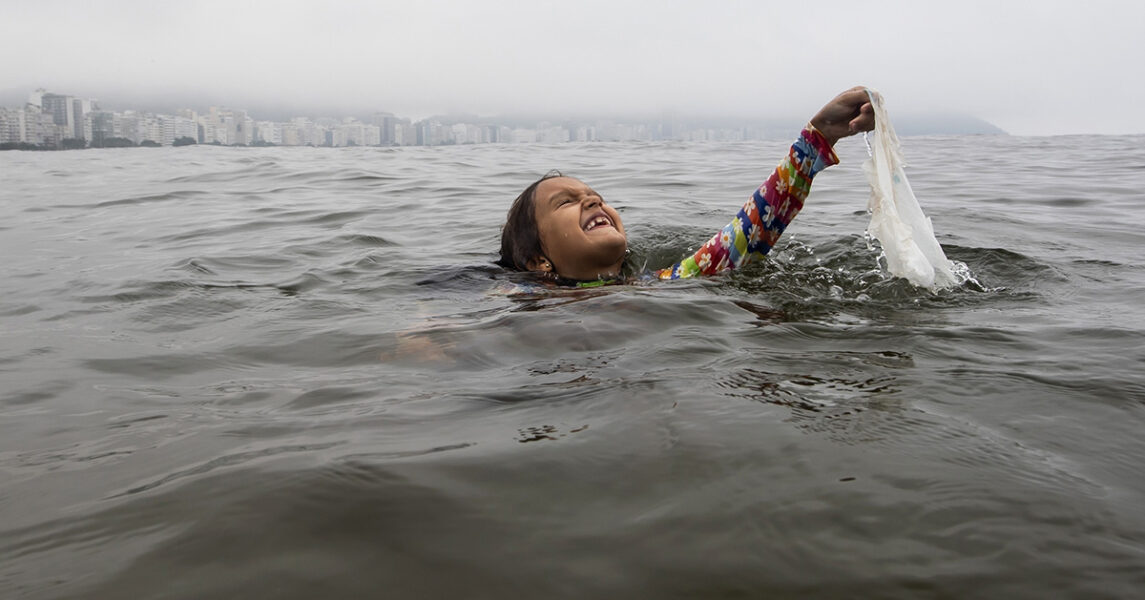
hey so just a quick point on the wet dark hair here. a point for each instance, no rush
(520, 240)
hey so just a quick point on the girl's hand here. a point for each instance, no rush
(848, 114)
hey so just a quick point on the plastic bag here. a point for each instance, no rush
(897, 221)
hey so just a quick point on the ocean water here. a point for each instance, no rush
(295, 373)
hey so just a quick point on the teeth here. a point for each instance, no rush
(598, 222)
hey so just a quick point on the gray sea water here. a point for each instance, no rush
(295, 373)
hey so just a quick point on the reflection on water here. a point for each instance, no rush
(295, 373)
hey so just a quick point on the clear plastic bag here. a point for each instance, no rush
(897, 221)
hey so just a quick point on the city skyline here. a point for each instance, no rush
(48, 120)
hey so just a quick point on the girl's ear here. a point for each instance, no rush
(541, 264)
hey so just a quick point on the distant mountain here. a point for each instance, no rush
(943, 124)
(772, 128)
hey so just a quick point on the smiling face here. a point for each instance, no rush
(581, 236)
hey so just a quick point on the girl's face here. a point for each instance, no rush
(581, 236)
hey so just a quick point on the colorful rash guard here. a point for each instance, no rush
(763, 218)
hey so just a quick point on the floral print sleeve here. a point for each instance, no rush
(763, 218)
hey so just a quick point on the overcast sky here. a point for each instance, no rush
(1045, 67)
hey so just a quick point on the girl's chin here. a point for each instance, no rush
(609, 237)
(602, 233)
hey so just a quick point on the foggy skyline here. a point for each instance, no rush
(1029, 68)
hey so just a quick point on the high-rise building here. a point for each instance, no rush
(102, 127)
(67, 112)
(12, 128)
(290, 135)
(186, 128)
(59, 107)
(268, 132)
(404, 133)
(130, 125)
(373, 135)
(77, 117)
(238, 127)
(386, 123)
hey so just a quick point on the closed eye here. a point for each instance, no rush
(565, 198)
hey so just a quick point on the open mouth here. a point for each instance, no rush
(598, 221)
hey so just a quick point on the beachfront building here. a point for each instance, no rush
(102, 127)
(30, 125)
(13, 126)
(268, 132)
(49, 119)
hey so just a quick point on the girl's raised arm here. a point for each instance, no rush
(761, 221)
(758, 225)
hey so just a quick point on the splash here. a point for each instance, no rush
(897, 221)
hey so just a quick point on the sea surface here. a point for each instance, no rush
(296, 373)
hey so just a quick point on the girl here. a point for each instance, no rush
(561, 228)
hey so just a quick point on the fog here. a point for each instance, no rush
(1038, 68)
